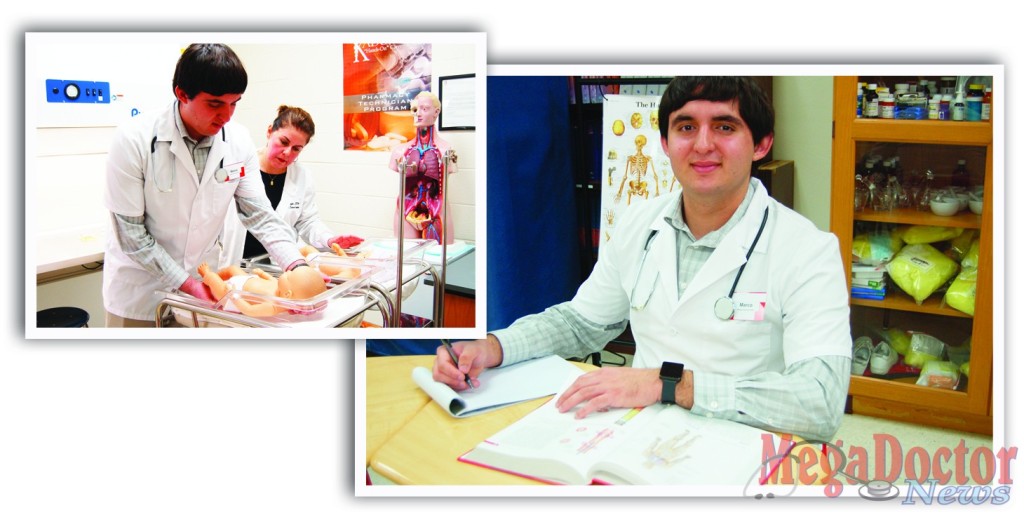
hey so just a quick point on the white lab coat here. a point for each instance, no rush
(795, 264)
(297, 208)
(187, 220)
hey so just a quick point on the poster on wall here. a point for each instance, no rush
(380, 80)
(634, 166)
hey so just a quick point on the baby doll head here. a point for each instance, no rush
(300, 283)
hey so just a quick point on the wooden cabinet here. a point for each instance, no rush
(459, 309)
(935, 145)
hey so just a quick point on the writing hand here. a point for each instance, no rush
(611, 387)
(474, 356)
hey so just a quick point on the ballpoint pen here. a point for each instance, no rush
(455, 360)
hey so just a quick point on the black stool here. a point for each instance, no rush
(62, 317)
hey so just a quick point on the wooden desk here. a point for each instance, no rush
(411, 440)
(392, 399)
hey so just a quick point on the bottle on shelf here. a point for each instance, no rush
(887, 168)
(961, 177)
(886, 104)
(902, 198)
(986, 105)
(871, 101)
(944, 106)
(925, 195)
(860, 99)
(947, 86)
(877, 179)
(860, 193)
(958, 108)
(894, 195)
(874, 174)
(913, 186)
(975, 94)
(933, 107)
(875, 200)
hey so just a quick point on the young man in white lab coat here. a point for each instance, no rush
(738, 305)
(170, 178)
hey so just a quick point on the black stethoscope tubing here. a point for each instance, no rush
(152, 150)
(757, 237)
(726, 302)
(725, 308)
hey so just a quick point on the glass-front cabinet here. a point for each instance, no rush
(910, 208)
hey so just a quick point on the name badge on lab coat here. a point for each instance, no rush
(749, 305)
(230, 173)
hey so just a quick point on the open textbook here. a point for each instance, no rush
(656, 445)
(501, 386)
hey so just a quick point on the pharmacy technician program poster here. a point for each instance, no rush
(381, 79)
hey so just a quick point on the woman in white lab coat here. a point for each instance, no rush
(288, 185)
(170, 178)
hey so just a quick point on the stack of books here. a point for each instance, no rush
(868, 282)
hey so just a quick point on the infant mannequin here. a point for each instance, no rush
(331, 270)
(297, 284)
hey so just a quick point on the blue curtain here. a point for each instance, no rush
(532, 234)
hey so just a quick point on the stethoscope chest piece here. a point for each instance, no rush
(724, 308)
(221, 175)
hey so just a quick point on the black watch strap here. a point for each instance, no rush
(671, 374)
(668, 391)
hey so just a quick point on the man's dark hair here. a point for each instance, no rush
(755, 109)
(212, 68)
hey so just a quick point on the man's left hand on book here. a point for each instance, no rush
(611, 387)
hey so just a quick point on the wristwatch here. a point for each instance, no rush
(671, 374)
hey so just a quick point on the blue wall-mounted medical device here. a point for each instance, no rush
(77, 91)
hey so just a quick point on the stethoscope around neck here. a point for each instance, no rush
(724, 306)
(220, 174)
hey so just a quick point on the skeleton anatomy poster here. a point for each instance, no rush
(635, 169)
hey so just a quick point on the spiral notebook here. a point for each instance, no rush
(500, 387)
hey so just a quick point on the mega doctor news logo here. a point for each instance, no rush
(885, 471)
